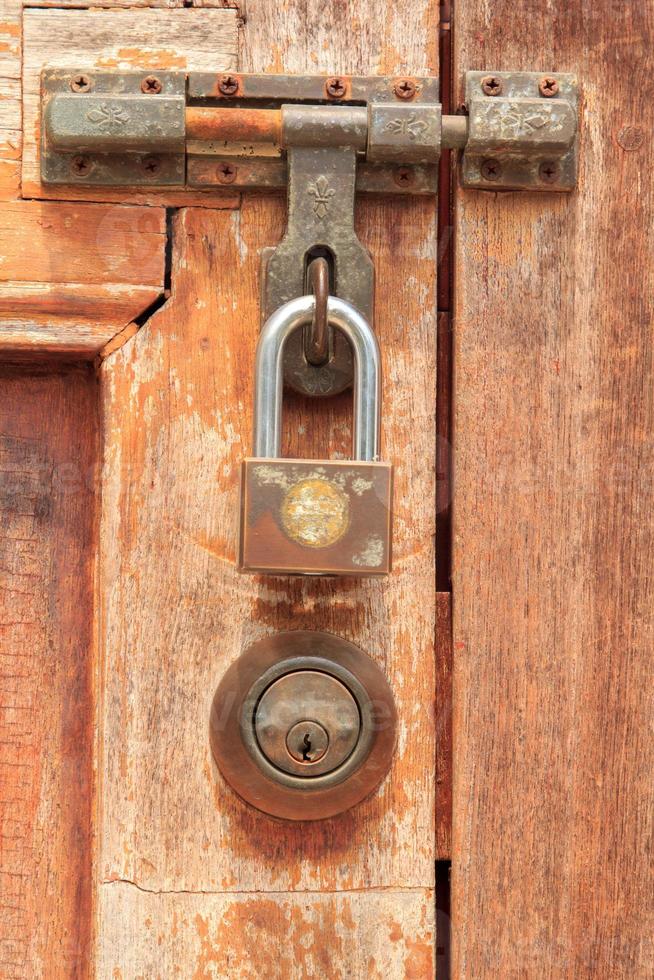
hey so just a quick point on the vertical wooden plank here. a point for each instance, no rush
(175, 613)
(554, 544)
(11, 16)
(47, 453)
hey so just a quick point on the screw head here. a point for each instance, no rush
(492, 85)
(548, 171)
(151, 166)
(307, 742)
(548, 86)
(80, 82)
(228, 84)
(405, 88)
(226, 173)
(403, 176)
(151, 85)
(491, 169)
(335, 87)
(81, 165)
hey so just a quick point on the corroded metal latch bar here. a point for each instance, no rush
(520, 130)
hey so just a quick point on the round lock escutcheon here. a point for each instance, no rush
(303, 725)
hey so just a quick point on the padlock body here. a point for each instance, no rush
(315, 517)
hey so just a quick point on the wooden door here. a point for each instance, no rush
(128, 322)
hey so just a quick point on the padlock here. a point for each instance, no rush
(316, 517)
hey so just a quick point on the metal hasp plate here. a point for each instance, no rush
(113, 128)
(339, 135)
(523, 131)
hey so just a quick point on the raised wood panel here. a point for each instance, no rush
(554, 544)
(48, 449)
(185, 39)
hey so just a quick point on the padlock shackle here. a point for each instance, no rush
(269, 374)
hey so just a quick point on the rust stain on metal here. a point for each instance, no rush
(229, 85)
(336, 87)
(548, 86)
(249, 125)
(405, 88)
(492, 85)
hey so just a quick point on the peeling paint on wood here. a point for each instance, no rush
(201, 40)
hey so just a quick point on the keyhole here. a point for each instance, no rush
(306, 748)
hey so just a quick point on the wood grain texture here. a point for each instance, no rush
(175, 612)
(72, 276)
(346, 936)
(48, 447)
(553, 870)
(10, 98)
(201, 40)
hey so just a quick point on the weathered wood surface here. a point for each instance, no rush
(10, 98)
(72, 276)
(175, 612)
(364, 935)
(200, 40)
(553, 871)
(48, 449)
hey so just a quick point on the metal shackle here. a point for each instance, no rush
(268, 388)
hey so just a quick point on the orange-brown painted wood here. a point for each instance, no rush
(553, 823)
(185, 878)
(48, 453)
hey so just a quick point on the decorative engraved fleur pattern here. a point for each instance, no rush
(515, 123)
(412, 128)
(323, 194)
(108, 118)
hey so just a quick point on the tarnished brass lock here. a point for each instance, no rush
(303, 725)
(316, 517)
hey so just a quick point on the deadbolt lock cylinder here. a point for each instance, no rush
(303, 725)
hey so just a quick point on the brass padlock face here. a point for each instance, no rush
(316, 517)
(303, 725)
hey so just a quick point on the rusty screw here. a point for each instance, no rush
(228, 84)
(335, 88)
(81, 166)
(151, 85)
(226, 173)
(403, 176)
(151, 166)
(405, 88)
(491, 85)
(491, 170)
(80, 83)
(548, 86)
(548, 171)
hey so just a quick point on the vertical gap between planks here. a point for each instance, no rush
(443, 521)
(443, 921)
